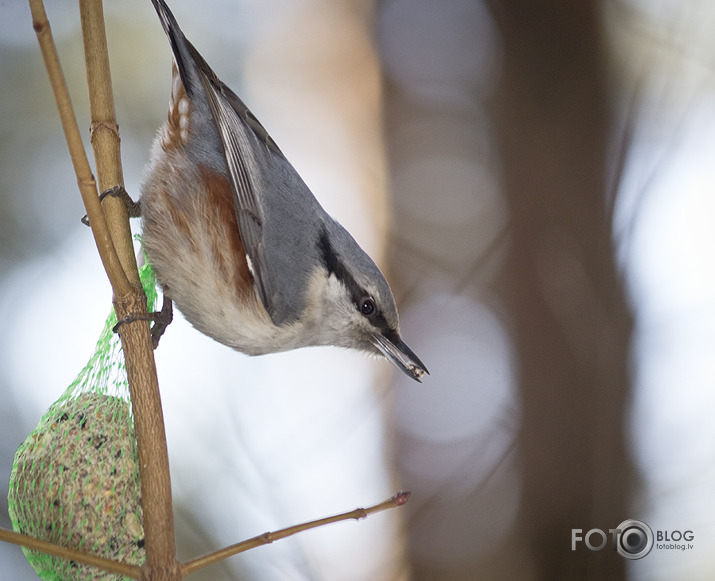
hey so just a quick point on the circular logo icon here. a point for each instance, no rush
(635, 540)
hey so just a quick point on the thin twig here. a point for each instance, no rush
(189, 567)
(128, 297)
(85, 179)
(155, 479)
(104, 133)
(118, 567)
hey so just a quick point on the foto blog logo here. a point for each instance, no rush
(632, 539)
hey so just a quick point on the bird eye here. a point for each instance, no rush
(367, 306)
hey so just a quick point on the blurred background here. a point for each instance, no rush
(537, 182)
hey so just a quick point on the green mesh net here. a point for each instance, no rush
(75, 479)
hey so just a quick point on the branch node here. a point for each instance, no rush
(96, 126)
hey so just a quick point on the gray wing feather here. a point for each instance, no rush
(245, 175)
(257, 168)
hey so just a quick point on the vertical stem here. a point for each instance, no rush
(153, 457)
(85, 180)
(160, 545)
(105, 132)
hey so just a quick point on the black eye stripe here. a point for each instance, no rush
(336, 267)
(358, 295)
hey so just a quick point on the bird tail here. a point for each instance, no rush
(190, 63)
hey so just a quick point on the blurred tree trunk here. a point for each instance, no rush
(570, 319)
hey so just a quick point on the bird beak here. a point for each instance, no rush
(400, 355)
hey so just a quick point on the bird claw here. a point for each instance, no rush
(161, 320)
(118, 191)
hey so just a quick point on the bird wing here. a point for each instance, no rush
(243, 172)
(246, 146)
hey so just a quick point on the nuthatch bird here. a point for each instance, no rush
(239, 242)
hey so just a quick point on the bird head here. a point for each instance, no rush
(358, 310)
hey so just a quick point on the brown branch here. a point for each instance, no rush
(189, 567)
(118, 567)
(136, 341)
(128, 296)
(105, 133)
(85, 179)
